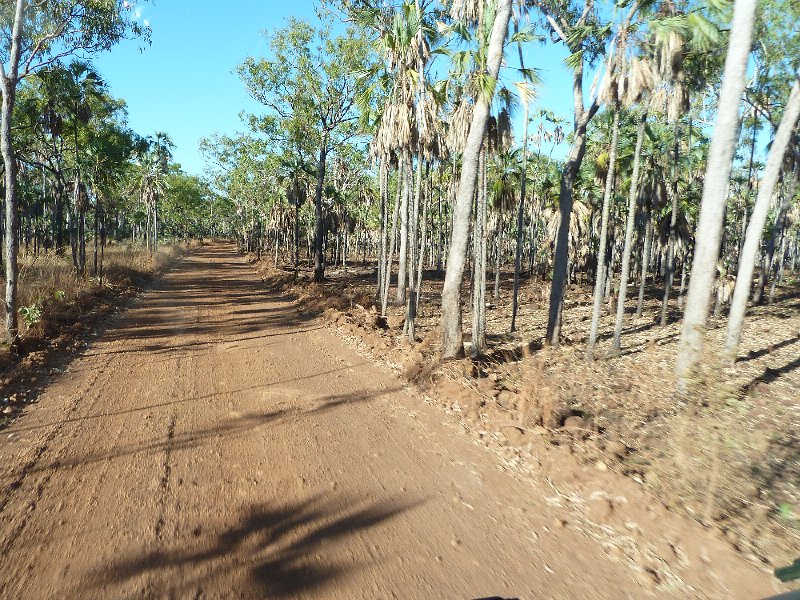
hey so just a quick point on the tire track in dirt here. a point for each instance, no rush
(166, 475)
(30, 466)
(215, 444)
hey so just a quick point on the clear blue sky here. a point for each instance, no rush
(184, 83)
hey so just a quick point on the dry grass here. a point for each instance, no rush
(49, 286)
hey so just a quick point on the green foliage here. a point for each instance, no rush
(31, 315)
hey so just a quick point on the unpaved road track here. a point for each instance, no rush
(212, 444)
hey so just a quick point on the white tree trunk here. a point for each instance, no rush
(747, 260)
(600, 279)
(712, 207)
(452, 334)
(630, 220)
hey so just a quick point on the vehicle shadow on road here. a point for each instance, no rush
(293, 549)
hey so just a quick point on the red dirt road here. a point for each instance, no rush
(213, 444)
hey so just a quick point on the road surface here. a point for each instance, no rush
(214, 443)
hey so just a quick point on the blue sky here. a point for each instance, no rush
(184, 83)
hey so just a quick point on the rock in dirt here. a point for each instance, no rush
(516, 437)
(616, 449)
(600, 509)
(575, 423)
(507, 399)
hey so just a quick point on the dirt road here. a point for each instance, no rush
(213, 444)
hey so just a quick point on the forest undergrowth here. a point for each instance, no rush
(727, 454)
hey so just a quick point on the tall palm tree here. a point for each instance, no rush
(744, 277)
(452, 335)
(153, 167)
(712, 208)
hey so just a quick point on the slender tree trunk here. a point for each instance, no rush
(561, 261)
(452, 334)
(479, 247)
(319, 224)
(296, 236)
(423, 238)
(777, 276)
(9, 80)
(82, 241)
(96, 233)
(382, 273)
(392, 244)
(746, 197)
(683, 284)
(439, 232)
(712, 207)
(629, 224)
(520, 222)
(669, 272)
(498, 234)
(400, 295)
(744, 277)
(787, 195)
(412, 249)
(601, 253)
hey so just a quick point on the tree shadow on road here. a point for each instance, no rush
(226, 430)
(271, 551)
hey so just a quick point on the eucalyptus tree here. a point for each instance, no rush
(186, 205)
(712, 209)
(34, 37)
(239, 174)
(311, 79)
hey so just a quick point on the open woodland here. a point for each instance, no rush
(607, 298)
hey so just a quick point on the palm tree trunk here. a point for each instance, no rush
(423, 238)
(520, 223)
(630, 221)
(439, 233)
(498, 234)
(479, 263)
(600, 277)
(96, 233)
(669, 272)
(383, 231)
(758, 218)
(412, 249)
(452, 334)
(392, 244)
(712, 207)
(400, 295)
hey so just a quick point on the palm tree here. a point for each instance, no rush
(153, 163)
(452, 335)
(84, 87)
(580, 32)
(744, 277)
(712, 208)
(639, 81)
